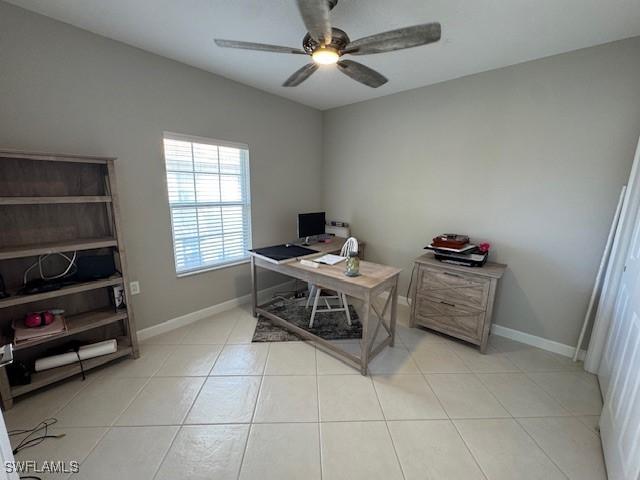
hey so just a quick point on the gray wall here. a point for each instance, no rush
(63, 89)
(530, 157)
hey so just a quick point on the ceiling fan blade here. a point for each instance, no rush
(300, 75)
(263, 47)
(395, 39)
(315, 15)
(361, 73)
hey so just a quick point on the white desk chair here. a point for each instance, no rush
(351, 245)
(343, 306)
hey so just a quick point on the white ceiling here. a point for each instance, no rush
(477, 35)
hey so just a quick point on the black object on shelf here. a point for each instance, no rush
(3, 290)
(95, 267)
(39, 285)
(19, 374)
(471, 260)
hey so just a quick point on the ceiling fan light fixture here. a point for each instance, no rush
(326, 56)
(327, 45)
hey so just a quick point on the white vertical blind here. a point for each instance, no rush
(209, 199)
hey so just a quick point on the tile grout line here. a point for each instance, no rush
(166, 453)
(107, 430)
(148, 380)
(540, 447)
(315, 354)
(571, 412)
(184, 418)
(195, 398)
(411, 353)
(451, 421)
(517, 368)
(255, 407)
(226, 338)
(84, 387)
(581, 420)
(424, 377)
(484, 474)
(205, 424)
(542, 389)
(164, 361)
(386, 424)
(115, 420)
(186, 415)
(213, 365)
(246, 442)
(477, 376)
(71, 398)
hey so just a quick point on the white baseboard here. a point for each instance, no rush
(192, 317)
(189, 318)
(401, 300)
(535, 341)
(522, 337)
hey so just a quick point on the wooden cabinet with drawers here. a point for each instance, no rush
(455, 300)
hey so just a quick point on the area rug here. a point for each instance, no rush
(327, 325)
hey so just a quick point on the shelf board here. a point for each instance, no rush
(68, 290)
(55, 247)
(54, 157)
(47, 377)
(55, 200)
(80, 323)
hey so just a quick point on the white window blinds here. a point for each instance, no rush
(208, 184)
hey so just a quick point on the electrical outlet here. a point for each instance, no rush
(134, 287)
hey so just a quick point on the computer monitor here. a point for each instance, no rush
(311, 224)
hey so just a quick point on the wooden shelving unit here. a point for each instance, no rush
(42, 379)
(53, 203)
(80, 323)
(81, 244)
(54, 200)
(15, 300)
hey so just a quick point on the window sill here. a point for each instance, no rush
(213, 267)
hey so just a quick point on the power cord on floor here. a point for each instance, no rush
(290, 296)
(35, 436)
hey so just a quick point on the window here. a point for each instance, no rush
(208, 184)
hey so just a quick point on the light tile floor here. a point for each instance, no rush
(202, 402)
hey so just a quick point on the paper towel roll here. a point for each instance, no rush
(97, 349)
(85, 352)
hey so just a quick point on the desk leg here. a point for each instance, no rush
(394, 313)
(364, 345)
(254, 286)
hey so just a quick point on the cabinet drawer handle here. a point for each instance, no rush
(447, 303)
(453, 275)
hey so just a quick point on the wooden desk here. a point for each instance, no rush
(374, 280)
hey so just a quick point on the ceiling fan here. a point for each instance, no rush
(326, 44)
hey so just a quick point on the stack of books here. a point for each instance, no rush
(457, 249)
(24, 335)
